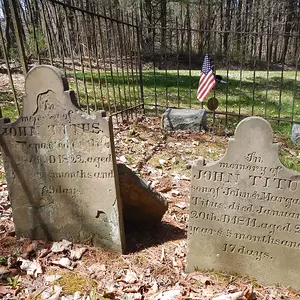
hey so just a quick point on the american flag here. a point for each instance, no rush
(207, 80)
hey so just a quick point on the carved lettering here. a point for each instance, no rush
(21, 131)
(199, 230)
(254, 200)
(217, 176)
(207, 190)
(257, 254)
(242, 167)
(266, 239)
(53, 189)
(75, 129)
(60, 167)
(240, 221)
(251, 157)
(206, 203)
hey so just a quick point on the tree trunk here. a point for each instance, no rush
(291, 7)
(228, 24)
(163, 24)
(9, 25)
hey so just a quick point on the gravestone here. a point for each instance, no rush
(184, 119)
(295, 135)
(141, 204)
(245, 210)
(60, 167)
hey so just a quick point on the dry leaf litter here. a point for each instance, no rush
(154, 266)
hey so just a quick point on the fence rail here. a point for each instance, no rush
(119, 63)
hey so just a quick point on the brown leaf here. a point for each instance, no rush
(248, 293)
(61, 246)
(44, 253)
(4, 290)
(165, 189)
(206, 281)
(52, 293)
(64, 262)
(32, 268)
(134, 296)
(233, 296)
(4, 270)
(76, 254)
(168, 295)
(154, 289)
(52, 278)
(129, 277)
(95, 268)
(181, 205)
(131, 289)
(30, 250)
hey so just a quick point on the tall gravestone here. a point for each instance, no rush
(60, 167)
(245, 210)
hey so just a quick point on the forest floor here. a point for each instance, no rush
(153, 266)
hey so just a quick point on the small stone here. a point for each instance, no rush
(295, 135)
(184, 119)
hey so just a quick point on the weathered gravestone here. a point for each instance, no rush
(60, 167)
(184, 119)
(245, 210)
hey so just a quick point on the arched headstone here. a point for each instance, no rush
(245, 210)
(60, 167)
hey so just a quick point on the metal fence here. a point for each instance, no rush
(118, 63)
(99, 54)
(252, 84)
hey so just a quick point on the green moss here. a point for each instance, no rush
(2, 173)
(10, 111)
(222, 277)
(72, 282)
(291, 162)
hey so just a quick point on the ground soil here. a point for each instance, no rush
(153, 266)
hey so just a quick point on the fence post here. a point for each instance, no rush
(16, 24)
(139, 40)
(4, 50)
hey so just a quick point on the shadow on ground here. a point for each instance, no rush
(141, 237)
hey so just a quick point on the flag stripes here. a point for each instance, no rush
(207, 80)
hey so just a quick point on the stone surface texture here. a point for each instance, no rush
(141, 204)
(245, 210)
(295, 135)
(60, 167)
(184, 119)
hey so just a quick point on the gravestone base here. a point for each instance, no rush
(184, 119)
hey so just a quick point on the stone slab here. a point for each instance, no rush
(245, 210)
(141, 204)
(184, 119)
(295, 135)
(60, 167)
